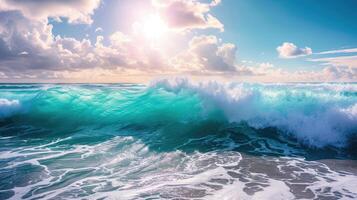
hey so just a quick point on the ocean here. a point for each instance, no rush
(178, 139)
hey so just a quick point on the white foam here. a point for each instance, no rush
(8, 107)
(316, 114)
(128, 164)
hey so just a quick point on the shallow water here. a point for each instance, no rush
(175, 139)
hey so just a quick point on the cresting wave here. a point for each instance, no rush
(178, 139)
(8, 107)
(317, 115)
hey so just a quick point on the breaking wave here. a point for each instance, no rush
(316, 115)
(178, 139)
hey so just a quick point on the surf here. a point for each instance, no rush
(317, 115)
(176, 138)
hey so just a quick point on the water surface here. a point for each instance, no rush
(178, 139)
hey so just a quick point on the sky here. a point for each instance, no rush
(141, 40)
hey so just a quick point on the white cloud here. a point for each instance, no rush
(215, 2)
(290, 50)
(339, 67)
(28, 48)
(24, 53)
(340, 73)
(206, 53)
(352, 50)
(76, 11)
(188, 14)
(98, 30)
(267, 72)
(344, 61)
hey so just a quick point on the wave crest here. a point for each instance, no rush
(315, 114)
(318, 115)
(8, 107)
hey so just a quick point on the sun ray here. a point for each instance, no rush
(154, 27)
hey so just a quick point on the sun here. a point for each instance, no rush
(154, 27)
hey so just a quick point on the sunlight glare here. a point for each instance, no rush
(154, 27)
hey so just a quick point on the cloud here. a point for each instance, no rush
(28, 48)
(352, 50)
(344, 73)
(76, 11)
(188, 14)
(206, 53)
(339, 67)
(19, 34)
(344, 61)
(290, 50)
(215, 2)
(99, 29)
(267, 72)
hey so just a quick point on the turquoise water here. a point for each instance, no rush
(178, 139)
